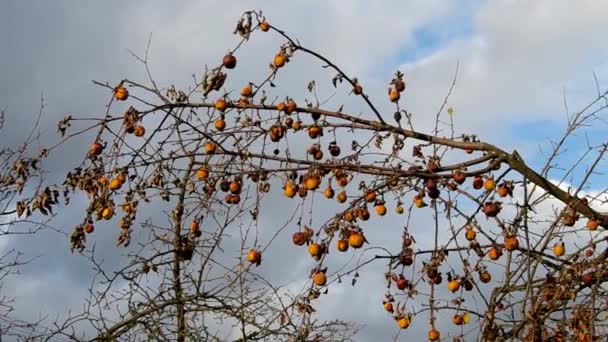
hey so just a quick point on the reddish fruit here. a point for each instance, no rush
(459, 177)
(402, 282)
(96, 149)
(388, 306)
(593, 224)
(485, 277)
(587, 279)
(220, 124)
(433, 335)
(491, 209)
(89, 228)
(494, 253)
(299, 238)
(458, 319)
(229, 61)
(511, 243)
(399, 85)
(477, 182)
(358, 90)
(221, 105)
(139, 131)
(291, 107)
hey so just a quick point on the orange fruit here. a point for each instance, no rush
(315, 250)
(320, 279)
(264, 26)
(453, 285)
(139, 131)
(96, 149)
(246, 91)
(433, 335)
(254, 256)
(559, 249)
(210, 147)
(394, 95)
(381, 209)
(121, 93)
(403, 322)
(221, 105)
(107, 213)
(279, 60)
(356, 240)
(220, 124)
(202, 173)
(342, 245)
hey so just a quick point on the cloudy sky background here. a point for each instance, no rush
(517, 62)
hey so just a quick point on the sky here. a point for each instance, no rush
(518, 63)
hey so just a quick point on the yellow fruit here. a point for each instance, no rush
(342, 245)
(115, 184)
(107, 213)
(466, 318)
(254, 257)
(559, 249)
(291, 189)
(312, 183)
(399, 210)
(470, 234)
(279, 60)
(394, 95)
(454, 285)
(489, 184)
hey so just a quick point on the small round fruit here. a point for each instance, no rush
(89, 228)
(291, 107)
(559, 249)
(221, 105)
(388, 306)
(314, 132)
(592, 224)
(341, 197)
(381, 210)
(229, 61)
(459, 177)
(220, 124)
(511, 243)
(210, 148)
(329, 192)
(202, 173)
(399, 85)
(299, 238)
(458, 319)
(356, 240)
(121, 93)
(433, 335)
(279, 60)
(470, 234)
(246, 91)
(403, 322)
(291, 189)
(454, 285)
(494, 253)
(281, 106)
(394, 95)
(401, 282)
(399, 210)
(342, 245)
(477, 182)
(489, 184)
(115, 184)
(358, 89)
(107, 213)
(254, 256)
(235, 187)
(264, 26)
(370, 196)
(320, 279)
(485, 277)
(315, 250)
(195, 226)
(312, 183)
(96, 149)
(139, 131)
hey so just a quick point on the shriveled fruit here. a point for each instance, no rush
(291, 107)
(491, 209)
(358, 89)
(419, 202)
(399, 85)
(511, 243)
(459, 177)
(139, 131)
(299, 238)
(96, 149)
(403, 322)
(246, 91)
(356, 240)
(229, 61)
(221, 105)
(477, 182)
(349, 216)
(320, 279)
(342, 245)
(121, 93)
(394, 95)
